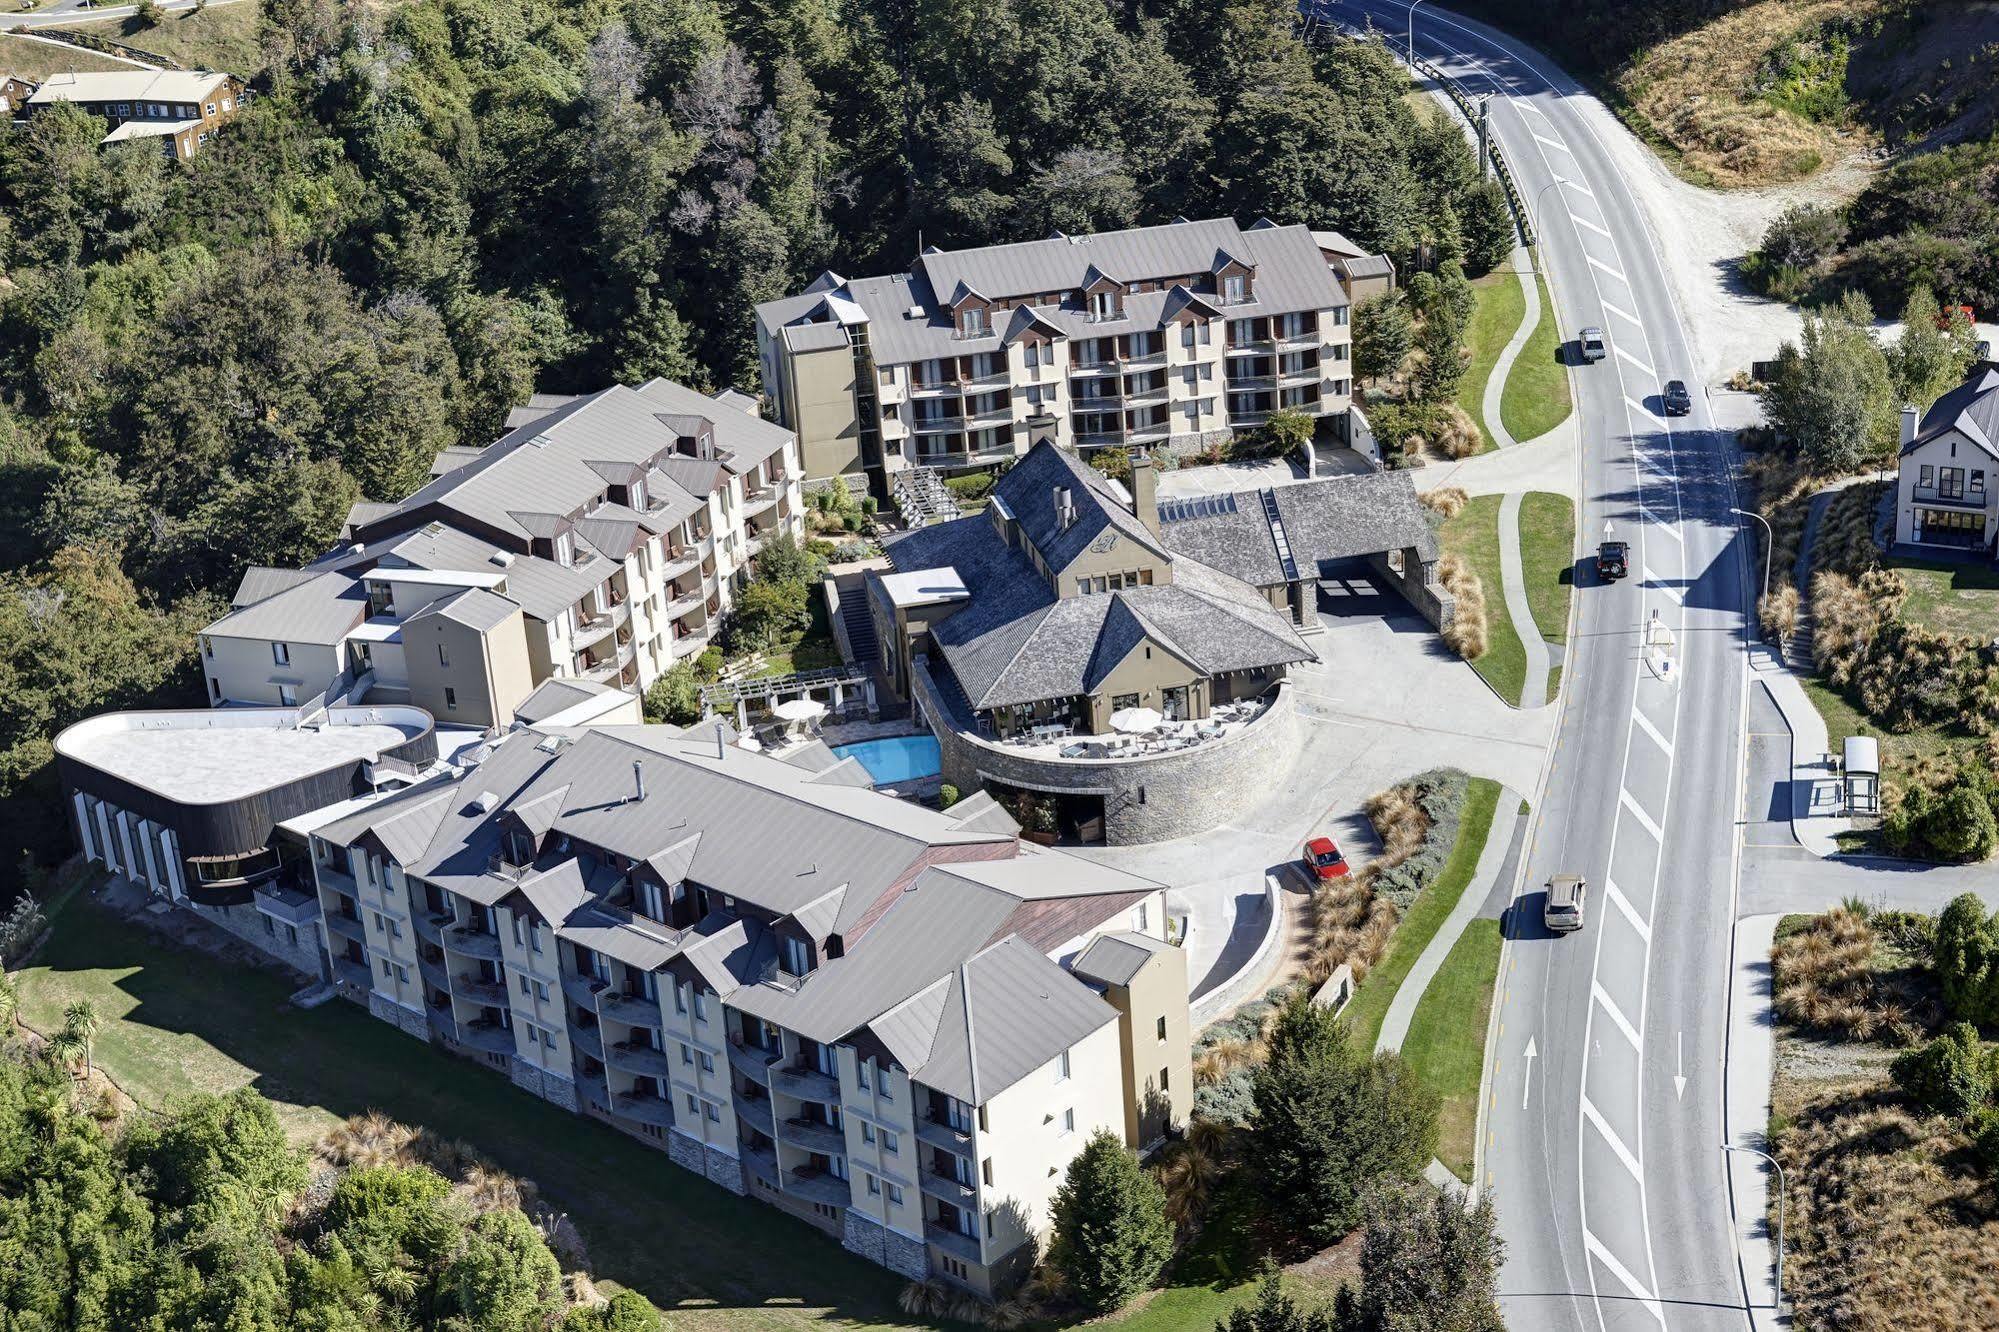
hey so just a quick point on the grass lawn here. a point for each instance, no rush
(1548, 559)
(172, 1028)
(1842, 719)
(1501, 306)
(1424, 916)
(1446, 1044)
(219, 37)
(1474, 534)
(1951, 598)
(35, 61)
(1536, 398)
(812, 650)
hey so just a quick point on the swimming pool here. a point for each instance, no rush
(900, 758)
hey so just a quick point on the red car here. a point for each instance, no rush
(1322, 855)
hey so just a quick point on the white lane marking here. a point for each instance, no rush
(1556, 144)
(1602, 1254)
(1639, 408)
(1634, 360)
(1625, 315)
(1658, 737)
(1579, 188)
(1591, 1113)
(1614, 272)
(1602, 996)
(1624, 907)
(1666, 525)
(1679, 597)
(1638, 812)
(1679, 1066)
(1582, 221)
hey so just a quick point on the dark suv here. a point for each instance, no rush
(1676, 398)
(1613, 560)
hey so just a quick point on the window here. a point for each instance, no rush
(679, 998)
(1068, 1121)
(1062, 1067)
(443, 659)
(270, 926)
(211, 108)
(524, 985)
(686, 1053)
(227, 104)
(986, 1171)
(207, 646)
(895, 1195)
(868, 1133)
(874, 1186)
(291, 935)
(380, 924)
(700, 1006)
(402, 973)
(881, 1080)
(1927, 477)
(1235, 289)
(1031, 354)
(385, 968)
(797, 957)
(534, 936)
(1187, 335)
(1978, 481)
(890, 1144)
(450, 699)
(281, 653)
(288, 695)
(1162, 1027)
(707, 1062)
(693, 1105)
(1103, 304)
(710, 1113)
(1163, 1083)
(649, 901)
(1142, 917)
(520, 938)
(540, 992)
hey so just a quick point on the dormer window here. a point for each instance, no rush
(797, 956)
(972, 321)
(1235, 288)
(565, 548)
(638, 500)
(650, 904)
(1103, 305)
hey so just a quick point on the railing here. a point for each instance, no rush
(936, 424)
(1499, 167)
(1937, 495)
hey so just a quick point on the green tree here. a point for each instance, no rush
(503, 1278)
(81, 1018)
(783, 560)
(766, 612)
(1288, 431)
(1445, 359)
(627, 1311)
(1831, 395)
(1966, 956)
(1111, 1237)
(1960, 826)
(1933, 355)
(1488, 226)
(1428, 1263)
(1274, 1311)
(1383, 333)
(1329, 1123)
(675, 697)
(1951, 1075)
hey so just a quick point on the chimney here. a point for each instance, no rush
(721, 741)
(1145, 493)
(638, 780)
(1909, 416)
(1065, 509)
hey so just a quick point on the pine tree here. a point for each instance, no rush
(1427, 1264)
(1274, 1311)
(1111, 1233)
(1444, 356)
(1383, 333)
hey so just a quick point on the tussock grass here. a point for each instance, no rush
(1467, 635)
(1448, 501)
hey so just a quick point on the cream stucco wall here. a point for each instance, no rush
(247, 671)
(1028, 1138)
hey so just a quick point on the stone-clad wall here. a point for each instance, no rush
(1148, 799)
(248, 924)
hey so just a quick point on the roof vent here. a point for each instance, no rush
(483, 802)
(539, 441)
(503, 558)
(356, 548)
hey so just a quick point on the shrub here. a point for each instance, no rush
(675, 697)
(21, 926)
(1110, 1233)
(1952, 1075)
(970, 487)
(1967, 960)
(1985, 1142)
(1455, 434)
(1286, 431)
(1114, 462)
(1466, 634)
(1778, 612)
(947, 795)
(1418, 823)
(1445, 501)
(1823, 976)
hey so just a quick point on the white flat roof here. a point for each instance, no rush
(925, 587)
(208, 758)
(435, 577)
(378, 630)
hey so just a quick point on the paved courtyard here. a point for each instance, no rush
(1385, 701)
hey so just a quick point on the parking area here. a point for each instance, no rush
(1386, 700)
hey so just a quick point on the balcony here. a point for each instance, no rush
(593, 629)
(1149, 361)
(936, 425)
(678, 562)
(654, 1110)
(1304, 374)
(1251, 383)
(755, 1112)
(997, 379)
(1093, 439)
(593, 1090)
(583, 990)
(439, 1016)
(638, 1057)
(1157, 393)
(487, 1037)
(931, 388)
(813, 1136)
(287, 904)
(680, 605)
(347, 927)
(492, 994)
(634, 1010)
(1954, 498)
(806, 1084)
(433, 972)
(759, 1162)
(751, 1061)
(953, 1243)
(938, 1133)
(760, 499)
(602, 672)
(1000, 414)
(1109, 365)
(430, 928)
(1307, 338)
(356, 974)
(819, 1186)
(1149, 433)
(337, 879)
(947, 1188)
(587, 1040)
(473, 943)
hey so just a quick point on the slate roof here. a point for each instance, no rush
(1331, 518)
(1971, 409)
(909, 319)
(1015, 641)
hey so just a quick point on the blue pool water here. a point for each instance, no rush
(901, 758)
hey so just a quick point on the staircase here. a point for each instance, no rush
(859, 627)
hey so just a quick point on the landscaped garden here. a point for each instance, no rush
(1501, 307)
(1485, 634)
(1536, 397)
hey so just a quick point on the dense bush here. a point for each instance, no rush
(972, 486)
(1952, 1075)
(1408, 865)
(1110, 1237)
(1967, 960)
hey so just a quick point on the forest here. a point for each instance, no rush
(428, 211)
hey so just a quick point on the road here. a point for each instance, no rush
(66, 13)
(1604, 1148)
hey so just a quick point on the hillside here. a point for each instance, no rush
(1737, 94)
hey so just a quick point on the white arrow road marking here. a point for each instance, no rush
(1680, 1067)
(1595, 1117)
(1598, 263)
(1645, 725)
(1644, 819)
(1602, 996)
(1623, 904)
(1527, 1081)
(1582, 221)
(1602, 1254)
(1625, 315)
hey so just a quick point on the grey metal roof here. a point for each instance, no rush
(1010, 1011)
(474, 607)
(1331, 518)
(543, 588)
(553, 696)
(1114, 959)
(260, 581)
(1971, 409)
(322, 609)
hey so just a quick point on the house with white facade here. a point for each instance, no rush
(1949, 468)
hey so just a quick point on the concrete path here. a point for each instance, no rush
(1513, 573)
(1752, 1057)
(1500, 842)
(1521, 264)
(1817, 798)
(1547, 463)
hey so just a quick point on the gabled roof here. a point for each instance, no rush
(1115, 959)
(260, 581)
(1028, 490)
(1330, 518)
(1010, 1011)
(1971, 409)
(128, 85)
(322, 609)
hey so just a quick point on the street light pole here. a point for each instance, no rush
(1539, 230)
(1769, 547)
(1410, 39)
(1781, 1190)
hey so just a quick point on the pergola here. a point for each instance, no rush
(770, 690)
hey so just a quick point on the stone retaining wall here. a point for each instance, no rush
(247, 923)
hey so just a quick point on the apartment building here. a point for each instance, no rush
(1158, 337)
(601, 540)
(180, 109)
(895, 1024)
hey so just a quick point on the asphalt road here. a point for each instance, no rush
(1604, 1148)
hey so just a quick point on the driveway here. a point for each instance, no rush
(1384, 702)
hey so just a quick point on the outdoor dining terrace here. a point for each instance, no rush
(1133, 736)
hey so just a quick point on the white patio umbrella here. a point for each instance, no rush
(799, 709)
(1135, 721)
